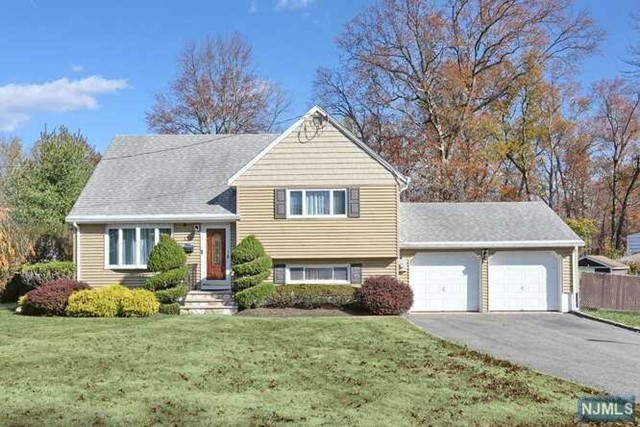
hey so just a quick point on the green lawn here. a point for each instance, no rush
(187, 370)
(630, 318)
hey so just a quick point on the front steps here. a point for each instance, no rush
(208, 302)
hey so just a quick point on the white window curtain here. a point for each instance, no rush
(129, 246)
(318, 202)
(147, 240)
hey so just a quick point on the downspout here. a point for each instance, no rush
(77, 254)
(576, 280)
(404, 186)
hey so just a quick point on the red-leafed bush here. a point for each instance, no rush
(385, 295)
(50, 299)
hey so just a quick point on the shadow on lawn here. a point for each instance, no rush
(11, 307)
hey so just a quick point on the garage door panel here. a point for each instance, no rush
(445, 282)
(523, 281)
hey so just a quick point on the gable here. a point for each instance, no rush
(318, 155)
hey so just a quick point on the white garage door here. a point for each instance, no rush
(445, 281)
(523, 281)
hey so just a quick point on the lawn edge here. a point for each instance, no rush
(595, 391)
(607, 321)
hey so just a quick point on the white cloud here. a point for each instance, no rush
(293, 4)
(19, 101)
(253, 7)
(77, 68)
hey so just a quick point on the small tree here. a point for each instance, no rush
(251, 264)
(167, 259)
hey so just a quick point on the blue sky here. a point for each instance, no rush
(115, 55)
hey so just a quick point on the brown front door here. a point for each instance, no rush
(216, 254)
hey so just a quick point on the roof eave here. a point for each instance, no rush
(493, 244)
(160, 218)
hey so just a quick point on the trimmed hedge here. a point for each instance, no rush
(168, 259)
(112, 301)
(255, 296)
(166, 255)
(138, 303)
(385, 295)
(34, 275)
(166, 279)
(51, 298)
(250, 264)
(166, 296)
(173, 308)
(313, 296)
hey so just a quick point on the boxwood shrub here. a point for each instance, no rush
(166, 296)
(385, 295)
(254, 296)
(112, 301)
(173, 308)
(51, 298)
(313, 296)
(34, 275)
(168, 259)
(250, 264)
(166, 255)
(166, 279)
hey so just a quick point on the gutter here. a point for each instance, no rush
(492, 244)
(77, 228)
(102, 219)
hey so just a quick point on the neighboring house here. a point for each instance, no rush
(633, 244)
(601, 264)
(327, 210)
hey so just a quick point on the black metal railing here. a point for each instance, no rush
(193, 281)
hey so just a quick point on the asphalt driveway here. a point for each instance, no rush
(581, 350)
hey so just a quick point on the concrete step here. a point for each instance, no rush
(209, 310)
(209, 304)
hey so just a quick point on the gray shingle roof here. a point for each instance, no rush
(167, 175)
(606, 261)
(483, 225)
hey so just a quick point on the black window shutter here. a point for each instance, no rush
(279, 203)
(279, 274)
(356, 274)
(353, 202)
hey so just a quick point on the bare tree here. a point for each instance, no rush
(446, 68)
(633, 57)
(617, 129)
(217, 91)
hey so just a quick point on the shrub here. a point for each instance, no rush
(254, 296)
(112, 301)
(168, 259)
(34, 275)
(138, 303)
(250, 264)
(170, 295)
(51, 298)
(166, 255)
(173, 308)
(385, 295)
(312, 296)
(92, 303)
(14, 289)
(166, 279)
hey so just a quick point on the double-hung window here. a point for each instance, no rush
(316, 203)
(130, 246)
(317, 274)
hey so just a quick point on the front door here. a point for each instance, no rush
(216, 254)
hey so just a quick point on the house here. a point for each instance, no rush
(327, 209)
(601, 264)
(633, 244)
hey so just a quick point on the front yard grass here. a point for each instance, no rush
(188, 370)
(629, 318)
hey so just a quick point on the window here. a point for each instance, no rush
(318, 274)
(318, 203)
(129, 246)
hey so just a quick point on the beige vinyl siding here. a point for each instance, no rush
(484, 284)
(374, 234)
(184, 234)
(324, 157)
(92, 258)
(567, 282)
(370, 267)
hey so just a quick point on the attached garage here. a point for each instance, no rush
(489, 257)
(445, 281)
(524, 281)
